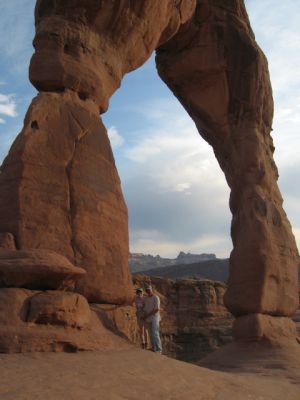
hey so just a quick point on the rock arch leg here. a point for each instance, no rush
(215, 68)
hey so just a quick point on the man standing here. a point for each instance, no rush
(152, 318)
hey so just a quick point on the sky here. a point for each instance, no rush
(176, 194)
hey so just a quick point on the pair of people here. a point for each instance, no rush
(148, 317)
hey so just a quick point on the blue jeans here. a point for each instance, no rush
(153, 330)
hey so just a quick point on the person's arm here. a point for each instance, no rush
(151, 313)
(133, 303)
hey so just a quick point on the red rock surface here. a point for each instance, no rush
(68, 193)
(37, 269)
(255, 327)
(119, 319)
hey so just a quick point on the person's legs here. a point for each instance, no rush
(143, 334)
(149, 331)
(155, 338)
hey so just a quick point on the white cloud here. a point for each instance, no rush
(2, 121)
(296, 232)
(182, 187)
(8, 105)
(115, 138)
(143, 152)
(172, 151)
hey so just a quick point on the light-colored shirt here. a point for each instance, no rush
(151, 303)
(139, 303)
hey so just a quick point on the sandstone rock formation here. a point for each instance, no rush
(59, 187)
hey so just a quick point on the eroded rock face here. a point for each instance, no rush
(120, 319)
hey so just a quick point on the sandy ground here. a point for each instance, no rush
(136, 374)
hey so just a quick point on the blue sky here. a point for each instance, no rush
(176, 194)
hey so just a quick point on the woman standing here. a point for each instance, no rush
(139, 304)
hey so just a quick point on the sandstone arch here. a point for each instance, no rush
(52, 198)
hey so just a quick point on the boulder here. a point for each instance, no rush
(59, 308)
(37, 269)
(255, 327)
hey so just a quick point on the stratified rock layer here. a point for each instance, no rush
(67, 196)
(215, 68)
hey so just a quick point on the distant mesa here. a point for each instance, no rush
(142, 262)
(185, 265)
